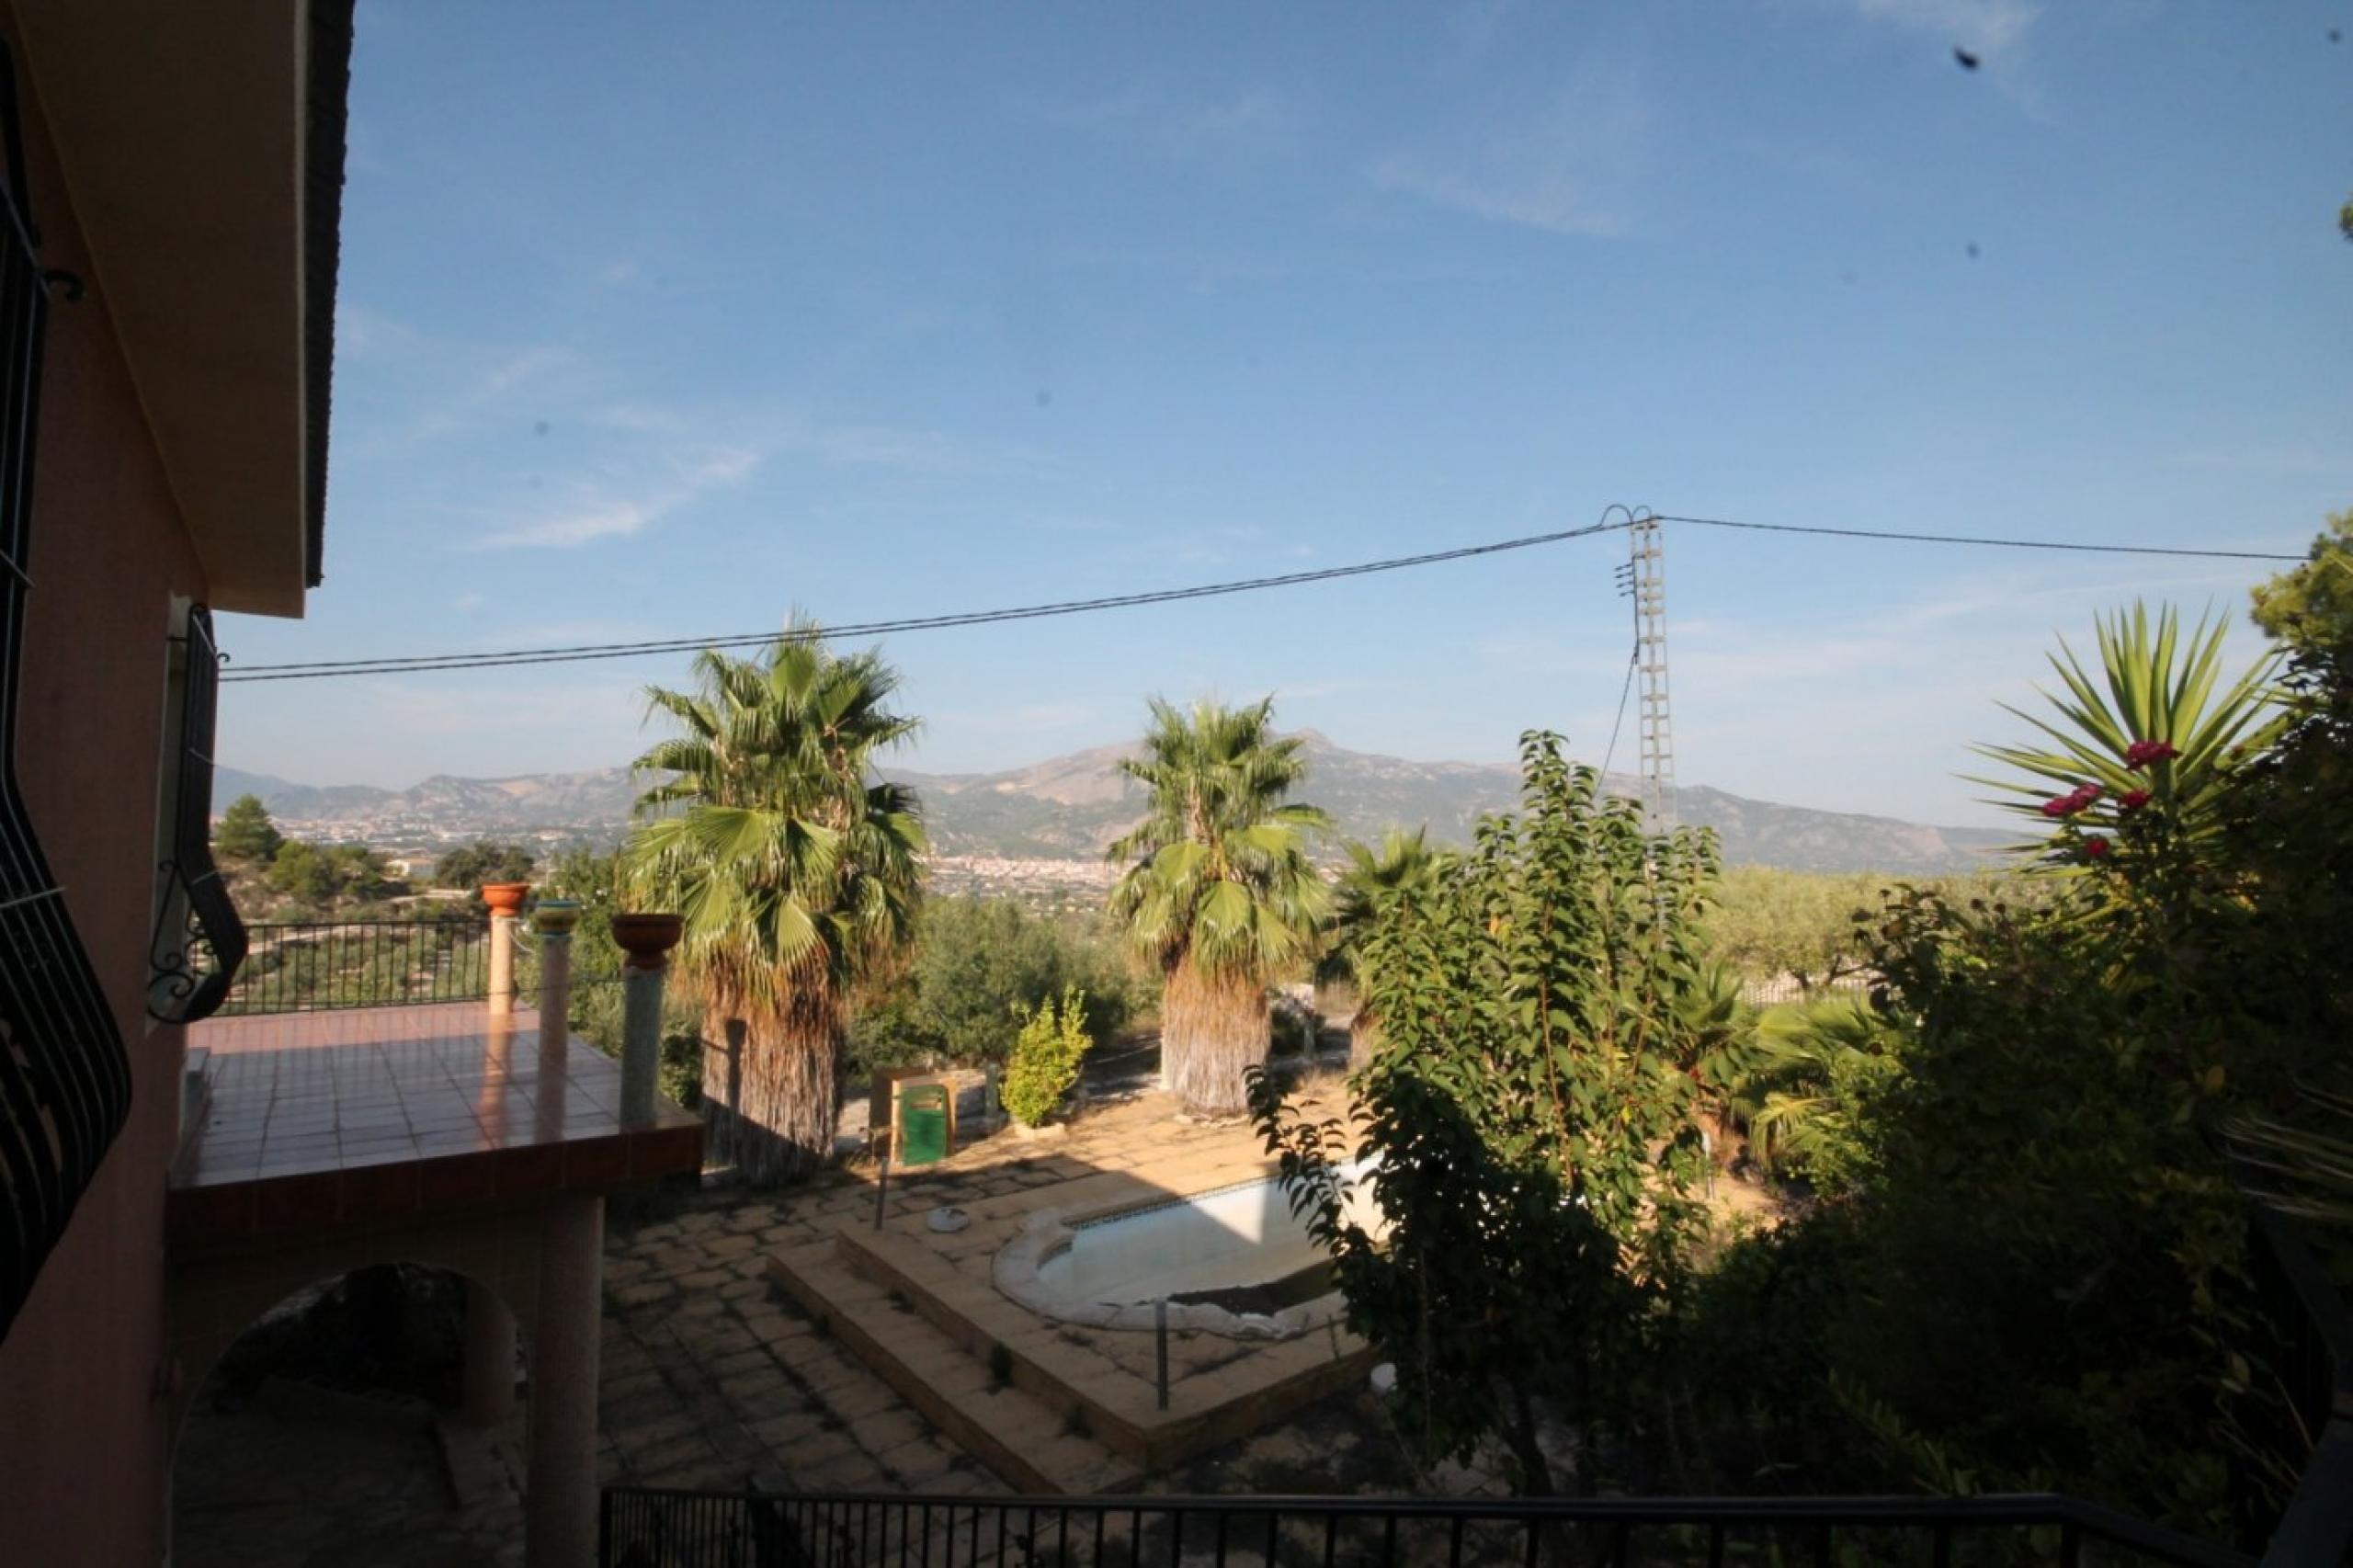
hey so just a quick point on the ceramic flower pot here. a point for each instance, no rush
(506, 898)
(645, 938)
(555, 916)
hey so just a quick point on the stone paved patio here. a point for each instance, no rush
(713, 1377)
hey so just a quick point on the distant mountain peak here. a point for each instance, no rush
(1071, 807)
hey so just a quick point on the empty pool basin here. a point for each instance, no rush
(1232, 1260)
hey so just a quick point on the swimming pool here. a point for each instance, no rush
(1231, 1260)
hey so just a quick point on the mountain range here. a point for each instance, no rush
(1071, 807)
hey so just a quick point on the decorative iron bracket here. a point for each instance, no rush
(193, 914)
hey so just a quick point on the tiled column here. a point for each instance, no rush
(553, 920)
(505, 901)
(647, 939)
(501, 962)
(642, 983)
(490, 1357)
(560, 1487)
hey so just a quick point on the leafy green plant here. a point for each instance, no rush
(1045, 1059)
(1807, 1085)
(979, 966)
(1509, 1221)
(484, 860)
(1370, 881)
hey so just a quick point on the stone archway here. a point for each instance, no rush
(372, 1414)
(542, 1258)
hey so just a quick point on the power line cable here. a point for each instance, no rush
(427, 662)
(2000, 543)
(1618, 724)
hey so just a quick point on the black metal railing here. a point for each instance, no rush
(64, 1077)
(199, 939)
(648, 1527)
(305, 966)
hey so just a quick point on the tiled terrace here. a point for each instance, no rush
(317, 1119)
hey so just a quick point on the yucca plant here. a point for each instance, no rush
(2157, 729)
(2306, 1163)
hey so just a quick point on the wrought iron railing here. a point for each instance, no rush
(648, 1527)
(305, 966)
(64, 1078)
(308, 966)
(199, 939)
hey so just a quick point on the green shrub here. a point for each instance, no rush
(981, 967)
(1045, 1058)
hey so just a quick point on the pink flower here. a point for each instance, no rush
(2074, 800)
(2139, 754)
(2133, 800)
(2094, 847)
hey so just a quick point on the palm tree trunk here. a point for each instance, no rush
(784, 1126)
(1213, 1025)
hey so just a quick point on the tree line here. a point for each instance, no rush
(2021, 1260)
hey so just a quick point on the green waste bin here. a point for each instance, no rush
(923, 1124)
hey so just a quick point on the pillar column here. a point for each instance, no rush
(502, 964)
(490, 1358)
(559, 1482)
(553, 919)
(647, 939)
(505, 901)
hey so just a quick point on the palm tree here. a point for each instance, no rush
(794, 872)
(1365, 887)
(1810, 1067)
(1219, 891)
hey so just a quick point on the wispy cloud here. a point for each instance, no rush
(446, 386)
(595, 510)
(1568, 168)
(664, 460)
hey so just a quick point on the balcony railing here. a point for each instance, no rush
(645, 1527)
(293, 967)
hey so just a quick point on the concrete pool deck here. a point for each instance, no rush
(1047, 1406)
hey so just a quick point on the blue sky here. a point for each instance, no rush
(662, 322)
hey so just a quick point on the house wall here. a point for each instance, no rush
(85, 1379)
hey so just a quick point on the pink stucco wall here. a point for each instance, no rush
(84, 1443)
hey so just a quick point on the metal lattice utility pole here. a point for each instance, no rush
(1657, 728)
